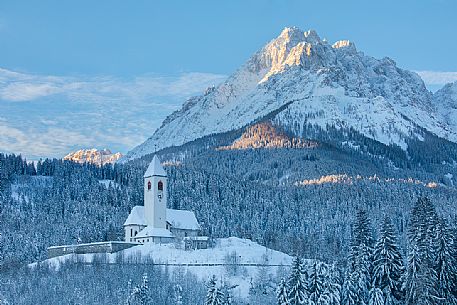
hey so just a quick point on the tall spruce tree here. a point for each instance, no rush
(177, 298)
(420, 279)
(445, 264)
(323, 285)
(297, 283)
(422, 229)
(145, 294)
(376, 297)
(454, 238)
(350, 289)
(388, 263)
(214, 296)
(2, 251)
(282, 295)
(140, 295)
(360, 255)
(316, 281)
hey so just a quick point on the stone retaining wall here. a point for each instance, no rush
(99, 247)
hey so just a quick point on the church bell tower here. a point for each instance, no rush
(155, 194)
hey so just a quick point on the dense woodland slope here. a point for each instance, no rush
(302, 201)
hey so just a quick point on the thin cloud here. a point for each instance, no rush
(49, 116)
(437, 77)
(24, 87)
(18, 92)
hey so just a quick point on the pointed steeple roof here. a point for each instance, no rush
(155, 168)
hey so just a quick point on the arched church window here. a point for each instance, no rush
(149, 185)
(160, 186)
(136, 233)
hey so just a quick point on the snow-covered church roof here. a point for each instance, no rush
(155, 168)
(156, 232)
(182, 219)
(136, 216)
(179, 219)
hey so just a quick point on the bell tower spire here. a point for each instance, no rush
(155, 194)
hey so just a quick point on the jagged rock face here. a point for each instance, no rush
(95, 156)
(265, 135)
(446, 103)
(304, 80)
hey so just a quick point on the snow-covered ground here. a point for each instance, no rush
(250, 257)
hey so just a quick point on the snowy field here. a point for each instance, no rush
(232, 260)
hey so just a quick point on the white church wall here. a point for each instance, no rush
(155, 239)
(131, 231)
(181, 233)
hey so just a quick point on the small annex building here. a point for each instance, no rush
(154, 222)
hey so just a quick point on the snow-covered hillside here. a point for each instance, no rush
(95, 156)
(303, 80)
(249, 256)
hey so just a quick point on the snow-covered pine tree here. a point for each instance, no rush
(445, 264)
(322, 285)
(315, 284)
(227, 291)
(419, 280)
(2, 251)
(140, 295)
(129, 291)
(349, 290)
(363, 269)
(376, 297)
(145, 296)
(3, 301)
(317, 281)
(388, 262)
(297, 283)
(360, 255)
(412, 281)
(214, 296)
(454, 238)
(333, 286)
(282, 293)
(177, 289)
(422, 229)
(362, 232)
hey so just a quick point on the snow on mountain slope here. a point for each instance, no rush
(95, 156)
(307, 80)
(446, 102)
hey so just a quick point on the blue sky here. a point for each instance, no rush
(75, 58)
(169, 37)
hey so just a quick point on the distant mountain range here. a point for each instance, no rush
(305, 85)
(94, 156)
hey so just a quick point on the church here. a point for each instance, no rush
(154, 223)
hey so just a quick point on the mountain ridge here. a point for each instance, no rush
(318, 85)
(94, 156)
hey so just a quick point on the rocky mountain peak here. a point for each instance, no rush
(94, 156)
(305, 81)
